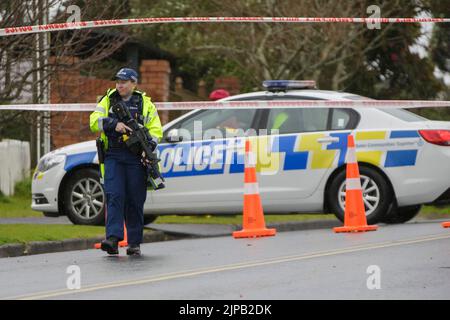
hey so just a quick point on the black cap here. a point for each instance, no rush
(126, 74)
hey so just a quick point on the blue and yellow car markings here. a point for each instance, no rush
(286, 152)
(404, 134)
(267, 161)
(340, 146)
(370, 135)
(393, 158)
(192, 159)
(373, 156)
(73, 160)
(237, 162)
(400, 158)
(320, 158)
(293, 159)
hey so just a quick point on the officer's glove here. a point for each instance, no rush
(144, 161)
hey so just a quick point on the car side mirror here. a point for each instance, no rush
(173, 136)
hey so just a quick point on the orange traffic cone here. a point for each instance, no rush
(446, 224)
(253, 215)
(355, 214)
(122, 243)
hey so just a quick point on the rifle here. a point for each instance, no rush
(140, 142)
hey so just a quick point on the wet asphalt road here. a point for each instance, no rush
(411, 260)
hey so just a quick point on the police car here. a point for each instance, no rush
(404, 161)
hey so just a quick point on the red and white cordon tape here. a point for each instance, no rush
(385, 104)
(162, 20)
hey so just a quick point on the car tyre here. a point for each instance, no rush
(84, 198)
(402, 214)
(149, 218)
(377, 191)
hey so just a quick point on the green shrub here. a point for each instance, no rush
(22, 189)
(3, 198)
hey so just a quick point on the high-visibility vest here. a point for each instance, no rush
(149, 115)
(280, 119)
(150, 118)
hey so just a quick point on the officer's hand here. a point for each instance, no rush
(122, 127)
(144, 161)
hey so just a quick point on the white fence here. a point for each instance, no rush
(14, 164)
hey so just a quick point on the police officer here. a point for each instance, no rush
(125, 179)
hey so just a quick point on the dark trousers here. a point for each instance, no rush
(126, 191)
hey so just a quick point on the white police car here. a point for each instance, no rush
(404, 161)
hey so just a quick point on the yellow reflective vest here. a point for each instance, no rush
(149, 113)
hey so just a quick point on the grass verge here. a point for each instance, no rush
(23, 233)
(432, 212)
(17, 207)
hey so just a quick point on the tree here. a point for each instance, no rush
(440, 41)
(440, 54)
(337, 56)
(25, 64)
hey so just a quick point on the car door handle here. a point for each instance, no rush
(328, 140)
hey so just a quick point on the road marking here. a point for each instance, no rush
(236, 266)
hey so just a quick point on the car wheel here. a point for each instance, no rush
(402, 214)
(84, 198)
(149, 218)
(377, 195)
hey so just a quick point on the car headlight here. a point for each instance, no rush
(48, 162)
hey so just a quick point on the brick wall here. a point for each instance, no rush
(231, 84)
(68, 86)
(155, 81)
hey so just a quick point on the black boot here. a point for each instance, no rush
(111, 245)
(134, 250)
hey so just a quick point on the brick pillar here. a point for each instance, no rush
(201, 92)
(178, 84)
(67, 86)
(155, 81)
(63, 89)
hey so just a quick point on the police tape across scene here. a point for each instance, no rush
(289, 104)
(162, 20)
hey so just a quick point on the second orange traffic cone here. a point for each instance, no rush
(355, 213)
(253, 216)
(122, 243)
